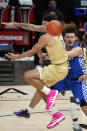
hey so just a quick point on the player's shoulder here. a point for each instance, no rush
(44, 37)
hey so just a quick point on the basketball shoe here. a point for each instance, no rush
(80, 129)
(56, 119)
(51, 98)
(23, 113)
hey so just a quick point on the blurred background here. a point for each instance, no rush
(17, 40)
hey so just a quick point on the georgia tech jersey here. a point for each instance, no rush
(62, 41)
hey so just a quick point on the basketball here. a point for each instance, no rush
(54, 28)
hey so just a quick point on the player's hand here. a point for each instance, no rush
(11, 56)
(9, 23)
(42, 58)
(82, 77)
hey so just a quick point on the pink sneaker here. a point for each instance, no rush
(57, 118)
(51, 98)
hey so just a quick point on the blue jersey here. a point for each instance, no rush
(79, 90)
(76, 66)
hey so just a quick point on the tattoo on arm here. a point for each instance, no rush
(30, 27)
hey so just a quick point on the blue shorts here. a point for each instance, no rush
(78, 89)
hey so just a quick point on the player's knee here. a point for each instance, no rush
(73, 106)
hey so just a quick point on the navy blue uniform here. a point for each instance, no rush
(76, 69)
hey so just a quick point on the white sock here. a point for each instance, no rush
(74, 114)
(45, 90)
(54, 110)
(30, 109)
(76, 124)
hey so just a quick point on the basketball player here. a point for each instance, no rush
(37, 97)
(73, 106)
(71, 80)
(54, 110)
(47, 76)
(75, 78)
(76, 72)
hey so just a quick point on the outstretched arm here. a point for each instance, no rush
(38, 46)
(27, 26)
(75, 52)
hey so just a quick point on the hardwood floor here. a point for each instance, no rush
(14, 101)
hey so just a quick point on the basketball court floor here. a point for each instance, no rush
(14, 101)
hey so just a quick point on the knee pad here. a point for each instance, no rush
(73, 110)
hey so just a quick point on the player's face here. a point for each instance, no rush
(69, 39)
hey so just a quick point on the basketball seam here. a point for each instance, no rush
(59, 27)
(53, 30)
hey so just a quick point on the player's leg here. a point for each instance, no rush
(34, 101)
(74, 114)
(33, 78)
(46, 76)
(57, 117)
(80, 94)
